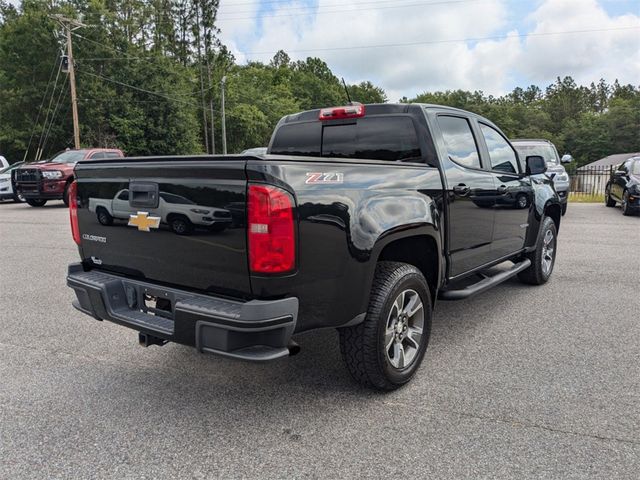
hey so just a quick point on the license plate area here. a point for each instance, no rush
(150, 301)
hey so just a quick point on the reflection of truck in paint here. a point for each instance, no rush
(180, 213)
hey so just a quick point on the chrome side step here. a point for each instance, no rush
(484, 284)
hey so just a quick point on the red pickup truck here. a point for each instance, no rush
(50, 180)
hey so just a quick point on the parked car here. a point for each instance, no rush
(624, 187)
(555, 167)
(50, 180)
(358, 219)
(6, 184)
(180, 213)
(4, 163)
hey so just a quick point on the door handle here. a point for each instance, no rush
(502, 189)
(461, 190)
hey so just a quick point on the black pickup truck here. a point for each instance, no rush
(357, 218)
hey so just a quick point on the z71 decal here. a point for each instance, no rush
(324, 177)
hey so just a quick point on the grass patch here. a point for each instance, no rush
(586, 197)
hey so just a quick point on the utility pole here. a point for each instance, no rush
(204, 109)
(70, 25)
(224, 123)
(213, 138)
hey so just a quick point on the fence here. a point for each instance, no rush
(589, 181)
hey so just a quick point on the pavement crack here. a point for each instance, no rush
(528, 424)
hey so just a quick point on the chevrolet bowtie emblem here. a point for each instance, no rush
(143, 221)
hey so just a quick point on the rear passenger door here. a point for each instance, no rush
(469, 194)
(513, 192)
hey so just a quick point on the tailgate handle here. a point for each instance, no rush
(143, 195)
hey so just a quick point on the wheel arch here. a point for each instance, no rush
(420, 248)
(554, 211)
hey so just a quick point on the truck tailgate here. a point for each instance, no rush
(171, 220)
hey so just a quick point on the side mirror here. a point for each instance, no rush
(566, 158)
(535, 165)
(620, 173)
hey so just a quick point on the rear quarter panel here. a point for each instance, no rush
(342, 227)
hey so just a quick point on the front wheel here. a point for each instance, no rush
(564, 209)
(387, 348)
(18, 198)
(608, 201)
(543, 258)
(36, 202)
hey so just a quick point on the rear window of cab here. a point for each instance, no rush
(391, 138)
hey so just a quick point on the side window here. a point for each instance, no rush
(111, 155)
(97, 156)
(458, 137)
(124, 195)
(502, 157)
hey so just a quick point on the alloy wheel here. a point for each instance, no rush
(548, 252)
(404, 329)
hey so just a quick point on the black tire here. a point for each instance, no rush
(564, 209)
(608, 201)
(65, 194)
(626, 210)
(36, 202)
(538, 273)
(365, 347)
(181, 225)
(17, 198)
(104, 217)
(522, 201)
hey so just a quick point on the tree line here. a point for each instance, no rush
(149, 82)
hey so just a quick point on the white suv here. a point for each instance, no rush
(555, 167)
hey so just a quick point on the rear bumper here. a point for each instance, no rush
(254, 330)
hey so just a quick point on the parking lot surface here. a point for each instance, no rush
(519, 382)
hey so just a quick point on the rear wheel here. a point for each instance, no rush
(543, 258)
(18, 198)
(608, 201)
(36, 202)
(522, 201)
(564, 208)
(626, 210)
(104, 217)
(181, 225)
(387, 348)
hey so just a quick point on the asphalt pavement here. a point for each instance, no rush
(519, 382)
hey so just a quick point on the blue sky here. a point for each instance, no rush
(496, 66)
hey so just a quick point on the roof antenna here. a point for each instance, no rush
(347, 91)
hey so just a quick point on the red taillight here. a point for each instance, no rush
(335, 113)
(272, 246)
(73, 211)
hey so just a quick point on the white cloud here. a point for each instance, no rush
(494, 66)
(585, 56)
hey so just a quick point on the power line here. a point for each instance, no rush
(55, 111)
(164, 95)
(44, 97)
(356, 9)
(46, 118)
(435, 42)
